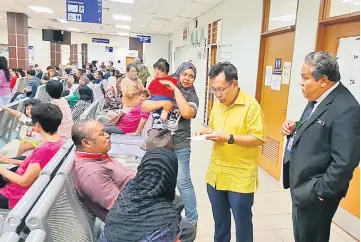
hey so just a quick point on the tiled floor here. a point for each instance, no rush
(272, 219)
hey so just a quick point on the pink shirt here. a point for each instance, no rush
(4, 85)
(67, 122)
(41, 155)
(130, 121)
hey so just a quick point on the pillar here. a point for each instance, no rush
(18, 40)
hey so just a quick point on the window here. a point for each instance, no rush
(341, 7)
(282, 14)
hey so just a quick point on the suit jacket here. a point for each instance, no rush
(326, 150)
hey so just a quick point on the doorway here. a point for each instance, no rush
(129, 60)
(274, 102)
(328, 39)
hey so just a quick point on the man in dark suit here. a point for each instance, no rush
(323, 148)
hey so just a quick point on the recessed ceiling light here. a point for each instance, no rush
(123, 34)
(122, 1)
(284, 18)
(73, 29)
(353, 2)
(62, 21)
(122, 26)
(122, 17)
(40, 9)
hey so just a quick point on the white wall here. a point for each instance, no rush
(41, 48)
(4, 38)
(241, 27)
(65, 54)
(158, 48)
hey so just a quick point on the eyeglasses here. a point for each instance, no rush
(218, 91)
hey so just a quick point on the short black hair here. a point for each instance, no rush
(48, 115)
(85, 94)
(78, 133)
(229, 70)
(82, 71)
(31, 72)
(31, 102)
(50, 68)
(101, 74)
(68, 71)
(162, 65)
(130, 66)
(91, 77)
(54, 88)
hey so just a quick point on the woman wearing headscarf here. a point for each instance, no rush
(185, 104)
(144, 210)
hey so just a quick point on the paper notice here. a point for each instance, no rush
(276, 82)
(268, 79)
(286, 74)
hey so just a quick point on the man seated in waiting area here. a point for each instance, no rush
(98, 179)
(46, 119)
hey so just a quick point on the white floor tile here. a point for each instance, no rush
(266, 236)
(280, 221)
(286, 235)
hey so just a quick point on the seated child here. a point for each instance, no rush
(133, 122)
(29, 138)
(159, 91)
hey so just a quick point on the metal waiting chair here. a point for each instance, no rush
(59, 212)
(42, 95)
(8, 122)
(36, 235)
(10, 237)
(21, 83)
(90, 112)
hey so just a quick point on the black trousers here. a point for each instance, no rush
(313, 223)
(4, 201)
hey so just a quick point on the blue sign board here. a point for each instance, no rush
(144, 38)
(31, 47)
(108, 49)
(102, 41)
(86, 11)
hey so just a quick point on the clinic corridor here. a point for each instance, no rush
(272, 218)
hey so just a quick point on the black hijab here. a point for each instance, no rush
(145, 205)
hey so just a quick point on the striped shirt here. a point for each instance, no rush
(79, 108)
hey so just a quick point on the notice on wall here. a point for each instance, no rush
(268, 78)
(348, 57)
(286, 73)
(276, 82)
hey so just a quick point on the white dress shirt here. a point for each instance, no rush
(323, 96)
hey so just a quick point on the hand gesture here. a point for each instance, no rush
(219, 137)
(207, 130)
(169, 84)
(288, 127)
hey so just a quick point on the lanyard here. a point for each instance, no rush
(298, 126)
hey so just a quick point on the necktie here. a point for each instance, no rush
(308, 112)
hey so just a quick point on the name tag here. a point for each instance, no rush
(290, 144)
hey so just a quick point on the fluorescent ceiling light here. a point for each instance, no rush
(40, 9)
(122, 17)
(353, 2)
(123, 1)
(73, 29)
(123, 34)
(122, 26)
(63, 21)
(284, 18)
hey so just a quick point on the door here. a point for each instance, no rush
(328, 40)
(273, 102)
(129, 60)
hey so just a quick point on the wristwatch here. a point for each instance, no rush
(231, 139)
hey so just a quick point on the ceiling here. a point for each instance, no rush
(148, 16)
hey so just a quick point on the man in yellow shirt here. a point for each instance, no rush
(237, 129)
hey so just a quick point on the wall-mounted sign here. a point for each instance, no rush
(102, 41)
(278, 64)
(31, 47)
(84, 11)
(108, 49)
(144, 38)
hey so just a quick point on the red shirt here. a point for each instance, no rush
(13, 80)
(98, 181)
(157, 89)
(41, 155)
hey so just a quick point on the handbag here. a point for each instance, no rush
(116, 119)
(158, 138)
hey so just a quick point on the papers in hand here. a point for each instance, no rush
(201, 137)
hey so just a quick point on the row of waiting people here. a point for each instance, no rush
(58, 212)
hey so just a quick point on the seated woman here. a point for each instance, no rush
(73, 99)
(85, 99)
(46, 120)
(72, 84)
(29, 138)
(98, 77)
(144, 210)
(113, 95)
(54, 89)
(133, 122)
